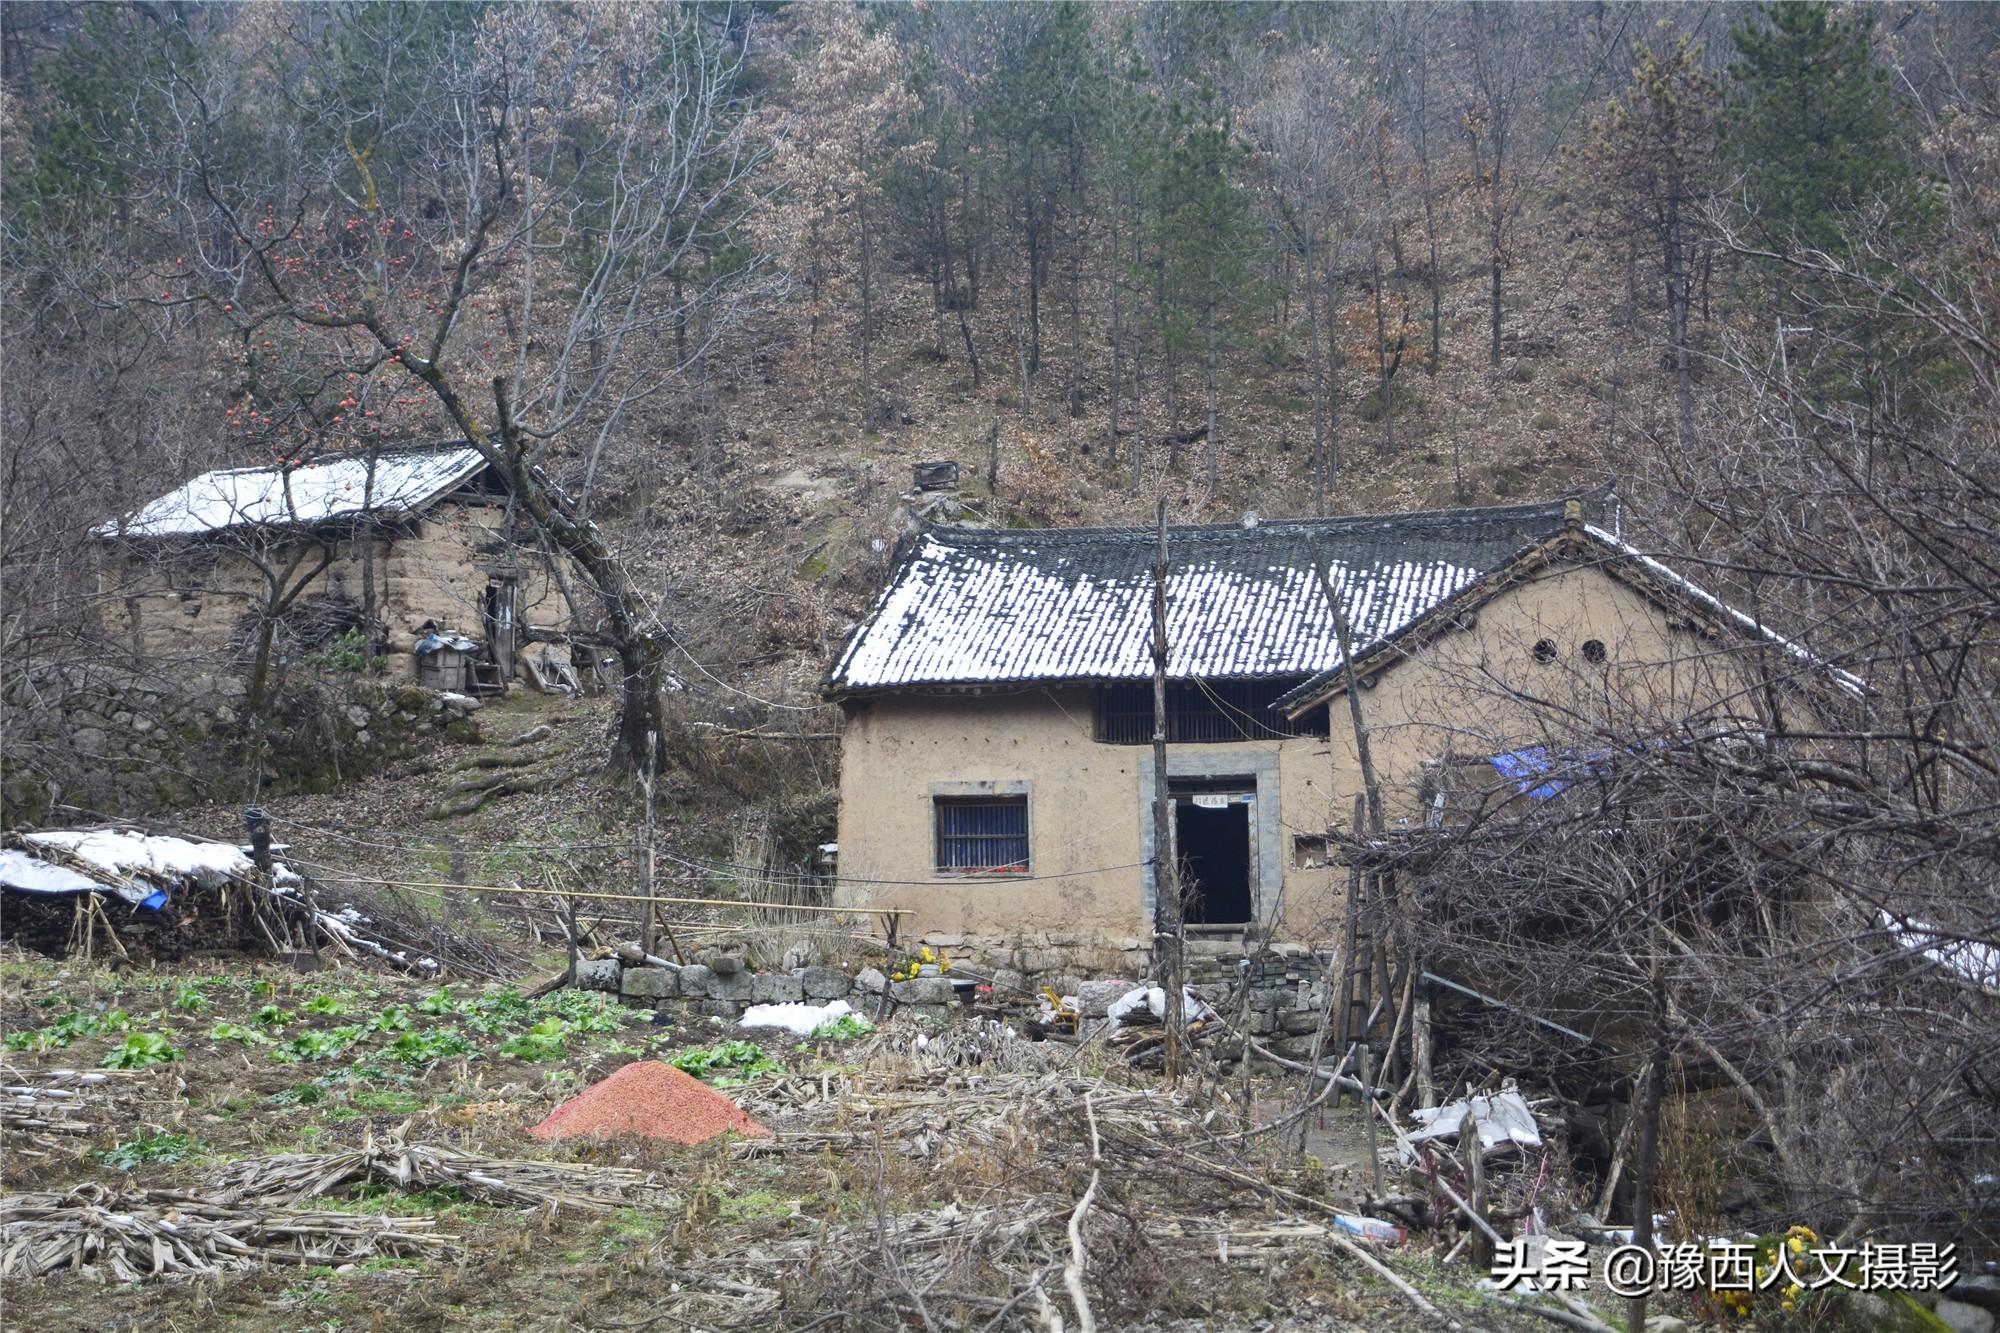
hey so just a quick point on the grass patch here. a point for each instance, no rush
(754, 1206)
(386, 1101)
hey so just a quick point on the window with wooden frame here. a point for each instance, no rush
(981, 834)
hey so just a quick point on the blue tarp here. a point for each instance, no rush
(1529, 769)
(433, 641)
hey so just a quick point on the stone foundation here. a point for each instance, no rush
(720, 986)
(1287, 984)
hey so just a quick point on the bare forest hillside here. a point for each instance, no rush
(1282, 259)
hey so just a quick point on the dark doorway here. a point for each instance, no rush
(1212, 834)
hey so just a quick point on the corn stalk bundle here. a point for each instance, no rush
(41, 1109)
(114, 1236)
(518, 1183)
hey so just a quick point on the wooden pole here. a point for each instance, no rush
(1649, 1135)
(1345, 1031)
(1166, 873)
(1475, 1188)
(1420, 1042)
(647, 776)
(1381, 885)
(1374, 1151)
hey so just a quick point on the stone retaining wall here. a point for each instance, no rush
(1287, 988)
(721, 986)
(110, 739)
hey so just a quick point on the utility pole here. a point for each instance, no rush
(1166, 873)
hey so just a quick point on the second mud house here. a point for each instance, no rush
(997, 769)
(409, 554)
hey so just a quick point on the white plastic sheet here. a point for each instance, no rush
(1501, 1118)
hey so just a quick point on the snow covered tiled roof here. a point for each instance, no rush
(973, 606)
(403, 482)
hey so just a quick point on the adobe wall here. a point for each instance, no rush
(1085, 888)
(1083, 908)
(177, 603)
(1481, 690)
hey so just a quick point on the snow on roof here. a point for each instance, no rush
(1976, 962)
(1709, 601)
(137, 867)
(127, 853)
(975, 606)
(281, 496)
(30, 874)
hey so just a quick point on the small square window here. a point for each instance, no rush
(982, 833)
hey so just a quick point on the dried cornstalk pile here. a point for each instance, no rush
(929, 1250)
(43, 1113)
(503, 1182)
(1062, 1197)
(107, 1235)
(61, 1109)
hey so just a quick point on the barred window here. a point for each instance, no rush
(982, 833)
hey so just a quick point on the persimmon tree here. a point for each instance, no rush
(516, 225)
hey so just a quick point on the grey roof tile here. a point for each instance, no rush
(977, 606)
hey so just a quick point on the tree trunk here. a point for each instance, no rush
(1117, 340)
(1498, 226)
(636, 634)
(867, 314)
(1319, 371)
(1023, 361)
(1388, 445)
(1677, 314)
(1034, 348)
(1138, 357)
(1214, 449)
(1076, 295)
(1649, 1139)
(1331, 471)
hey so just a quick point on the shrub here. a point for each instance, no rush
(348, 653)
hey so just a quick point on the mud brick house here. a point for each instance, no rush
(997, 769)
(412, 547)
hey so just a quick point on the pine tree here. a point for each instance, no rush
(1205, 231)
(1814, 127)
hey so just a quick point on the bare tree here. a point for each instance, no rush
(565, 194)
(1305, 129)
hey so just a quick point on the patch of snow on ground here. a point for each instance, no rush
(798, 1019)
